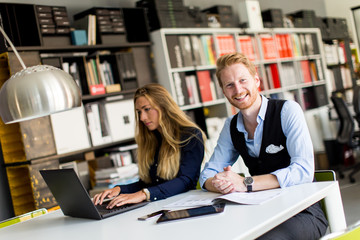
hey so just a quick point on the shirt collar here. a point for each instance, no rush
(260, 117)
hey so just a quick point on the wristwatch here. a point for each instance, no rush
(248, 181)
(147, 193)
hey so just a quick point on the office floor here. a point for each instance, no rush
(350, 193)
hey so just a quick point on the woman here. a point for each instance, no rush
(170, 150)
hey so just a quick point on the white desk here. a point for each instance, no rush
(237, 221)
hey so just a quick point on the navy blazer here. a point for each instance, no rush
(192, 154)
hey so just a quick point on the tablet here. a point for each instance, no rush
(191, 212)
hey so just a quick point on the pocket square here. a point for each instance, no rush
(272, 149)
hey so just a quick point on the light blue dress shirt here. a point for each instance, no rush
(298, 143)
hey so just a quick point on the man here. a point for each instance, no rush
(272, 138)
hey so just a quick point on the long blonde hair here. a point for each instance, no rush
(172, 121)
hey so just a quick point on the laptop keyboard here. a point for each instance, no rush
(103, 210)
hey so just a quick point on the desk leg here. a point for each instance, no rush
(335, 210)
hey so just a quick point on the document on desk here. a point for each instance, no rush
(250, 198)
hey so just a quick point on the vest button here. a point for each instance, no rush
(259, 161)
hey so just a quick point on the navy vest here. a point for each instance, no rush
(273, 152)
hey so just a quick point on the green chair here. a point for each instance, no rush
(350, 233)
(325, 175)
(23, 217)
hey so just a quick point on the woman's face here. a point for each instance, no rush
(148, 115)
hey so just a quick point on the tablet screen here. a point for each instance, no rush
(191, 212)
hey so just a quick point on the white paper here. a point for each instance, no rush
(191, 201)
(251, 197)
(259, 197)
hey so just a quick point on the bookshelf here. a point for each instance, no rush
(339, 63)
(290, 64)
(67, 138)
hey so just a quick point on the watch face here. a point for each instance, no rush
(248, 180)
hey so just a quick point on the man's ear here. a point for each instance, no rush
(257, 80)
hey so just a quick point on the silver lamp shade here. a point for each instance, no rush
(36, 92)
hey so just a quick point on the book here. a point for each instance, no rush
(97, 124)
(313, 71)
(95, 87)
(87, 23)
(269, 77)
(74, 72)
(275, 75)
(193, 90)
(174, 50)
(288, 73)
(226, 44)
(204, 80)
(207, 44)
(198, 51)
(247, 47)
(181, 89)
(295, 41)
(186, 51)
(268, 46)
(305, 71)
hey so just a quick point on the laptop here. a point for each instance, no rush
(73, 198)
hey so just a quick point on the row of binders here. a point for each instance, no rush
(199, 50)
(98, 73)
(196, 87)
(291, 73)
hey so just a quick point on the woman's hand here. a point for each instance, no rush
(109, 193)
(123, 199)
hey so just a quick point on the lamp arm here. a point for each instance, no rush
(12, 47)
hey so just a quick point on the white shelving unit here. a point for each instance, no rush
(311, 53)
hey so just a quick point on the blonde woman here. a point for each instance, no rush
(170, 150)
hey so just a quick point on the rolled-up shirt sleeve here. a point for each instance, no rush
(299, 146)
(298, 142)
(224, 155)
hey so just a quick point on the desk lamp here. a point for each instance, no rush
(36, 91)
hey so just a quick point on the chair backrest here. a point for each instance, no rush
(23, 217)
(356, 102)
(325, 175)
(350, 233)
(347, 125)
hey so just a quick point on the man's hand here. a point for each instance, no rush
(228, 181)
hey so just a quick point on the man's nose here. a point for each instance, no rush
(238, 86)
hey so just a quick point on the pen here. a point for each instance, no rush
(143, 218)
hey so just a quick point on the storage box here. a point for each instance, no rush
(79, 37)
